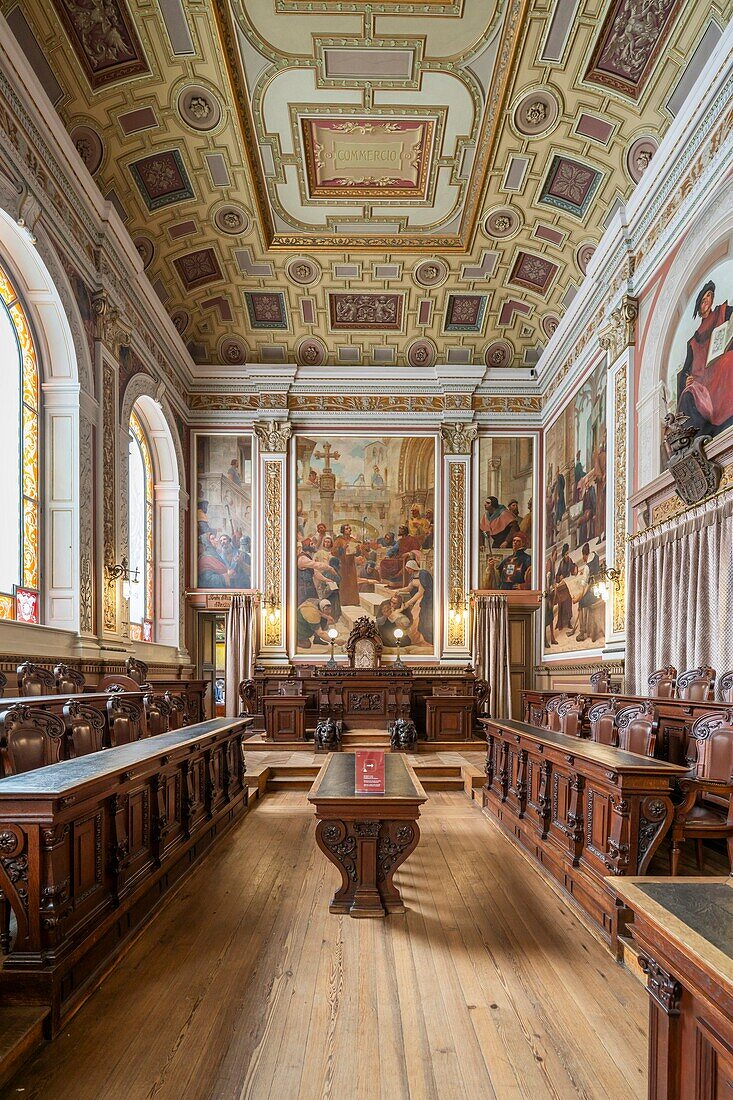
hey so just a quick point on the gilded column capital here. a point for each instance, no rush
(621, 332)
(273, 435)
(109, 325)
(458, 437)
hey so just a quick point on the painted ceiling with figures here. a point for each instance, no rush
(318, 181)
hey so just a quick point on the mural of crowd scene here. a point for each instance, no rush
(575, 520)
(700, 377)
(505, 478)
(224, 511)
(365, 509)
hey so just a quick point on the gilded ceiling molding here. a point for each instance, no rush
(458, 437)
(273, 435)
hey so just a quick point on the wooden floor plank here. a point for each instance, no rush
(246, 987)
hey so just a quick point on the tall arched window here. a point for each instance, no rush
(140, 534)
(19, 476)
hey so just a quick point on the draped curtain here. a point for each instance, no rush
(490, 651)
(680, 595)
(240, 650)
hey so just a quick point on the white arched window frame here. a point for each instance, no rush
(19, 461)
(141, 534)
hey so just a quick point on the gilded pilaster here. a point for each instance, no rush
(273, 437)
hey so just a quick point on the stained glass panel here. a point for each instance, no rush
(20, 477)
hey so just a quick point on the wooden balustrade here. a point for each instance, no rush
(89, 847)
(676, 717)
(582, 810)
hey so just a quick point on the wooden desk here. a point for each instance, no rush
(580, 809)
(683, 929)
(367, 836)
(675, 717)
(89, 847)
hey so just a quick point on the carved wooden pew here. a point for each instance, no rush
(89, 847)
(583, 810)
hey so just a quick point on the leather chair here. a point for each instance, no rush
(662, 683)
(602, 722)
(706, 811)
(178, 717)
(697, 685)
(637, 728)
(84, 729)
(137, 671)
(157, 714)
(570, 716)
(725, 687)
(552, 722)
(125, 721)
(69, 681)
(247, 697)
(32, 738)
(35, 680)
(600, 681)
(3, 683)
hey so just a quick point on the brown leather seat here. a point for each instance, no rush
(600, 681)
(697, 685)
(570, 716)
(178, 718)
(69, 681)
(552, 722)
(125, 721)
(725, 687)
(602, 722)
(35, 680)
(84, 728)
(32, 738)
(662, 683)
(637, 727)
(706, 811)
(157, 714)
(137, 671)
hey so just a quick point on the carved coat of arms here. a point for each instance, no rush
(695, 475)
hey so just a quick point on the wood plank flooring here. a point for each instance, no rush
(246, 987)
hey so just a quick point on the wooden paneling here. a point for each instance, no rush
(90, 846)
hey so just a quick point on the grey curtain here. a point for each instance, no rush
(680, 598)
(241, 628)
(490, 651)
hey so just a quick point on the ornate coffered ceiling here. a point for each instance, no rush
(317, 181)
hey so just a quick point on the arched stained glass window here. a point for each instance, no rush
(19, 473)
(140, 533)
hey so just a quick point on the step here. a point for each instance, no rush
(21, 1033)
(453, 770)
(290, 783)
(442, 782)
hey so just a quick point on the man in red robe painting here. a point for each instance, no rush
(705, 389)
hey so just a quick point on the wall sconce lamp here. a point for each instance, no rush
(458, 608)
(332, 636)
(603, 583)
(272, 611)
(125, 574)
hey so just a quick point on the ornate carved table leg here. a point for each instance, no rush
(367, 853)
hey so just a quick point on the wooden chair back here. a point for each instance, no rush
(247, 696)
(178, 717)
(35, 680)
(637, 728)
(697, 685)
(600, 681)
(552, 722)
(712, 738)
(69, 681)
(84, 728)
(137, 670)
(125, 721)
(662, 683)
(570, 716)
(33, 738)
(602, 722)
(725, 687)
(157, 714)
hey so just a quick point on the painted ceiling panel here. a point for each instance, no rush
(424, 183)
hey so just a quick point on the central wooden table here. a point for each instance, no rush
(367, 836)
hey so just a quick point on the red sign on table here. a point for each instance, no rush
(369, 772)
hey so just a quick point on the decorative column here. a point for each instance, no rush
(273, 436)
(458, 439)
(618, 340)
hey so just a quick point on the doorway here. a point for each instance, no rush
(211, 650)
